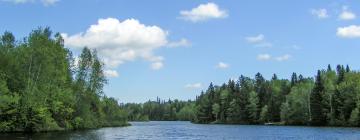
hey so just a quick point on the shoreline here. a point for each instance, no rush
(274, 124)
(63, 130)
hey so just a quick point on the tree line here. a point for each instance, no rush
(161, 110)
(331, 98)
(43, 89)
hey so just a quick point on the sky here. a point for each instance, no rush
(174, 49)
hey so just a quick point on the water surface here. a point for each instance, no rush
(186, 130)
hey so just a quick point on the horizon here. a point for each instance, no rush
(176, 54)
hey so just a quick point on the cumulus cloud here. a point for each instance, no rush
(320, 13)
(222, 65)
(203, 12)
(263, 57)
(44, 2)
(181, 43)
(118, 42)
(352, 31)
(111, 73)
(258, 41)
(283, 57)
(346, 14)
(193, 86)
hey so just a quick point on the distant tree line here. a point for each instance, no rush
(161, 110)
(41, 88)
(331, 98)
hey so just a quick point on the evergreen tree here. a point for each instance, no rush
(294, 79)
(347, 68)
(260, 89)
(329, 68)
(316, 102)
(341, 73)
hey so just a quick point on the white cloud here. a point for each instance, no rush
(203, 12)
(320, 13)
(222, 65)
(118, 42)
(255, 39)
(283, 58)
(182, 43)
(263, 57)
(352, 31)
(193, 86)
(258, 41)
(346, 14)
(44, 2)
(111, 73)
(157, 65)
(267, 57)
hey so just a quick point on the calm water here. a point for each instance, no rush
(188, 131)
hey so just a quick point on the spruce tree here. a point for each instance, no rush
(347, 68)
(329, 68)
(294, 79)
(318, 117)
(341, 73)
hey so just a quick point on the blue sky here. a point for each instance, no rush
(174, 49)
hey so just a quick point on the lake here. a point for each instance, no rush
(185, 130)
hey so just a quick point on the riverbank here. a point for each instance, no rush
(278, 124)
(126, 124)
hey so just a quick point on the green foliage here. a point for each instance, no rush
(296, 108)
(354, 117)
(186, 113)
(253, 107)
(285, 112)
(331, 99)
(318, 116)
(264, 114)
(40, 90)
(216, 110)
(161, 110)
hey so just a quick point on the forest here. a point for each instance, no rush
(331, 98)
(42, 89)
(161, 110)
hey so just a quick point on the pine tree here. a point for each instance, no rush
(243, 98)
(260, 89)
(329, 68)
(347, 68)
(294, 79)
(341, 73)
(274, 77)
(318, 117)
